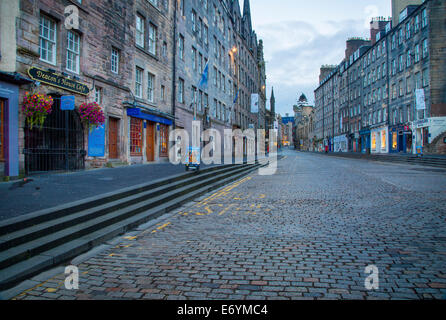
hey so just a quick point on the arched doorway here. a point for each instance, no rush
(58, 145)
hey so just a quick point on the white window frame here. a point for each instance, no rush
(114, 67)
(150, 87)
(46, 41)
(139, 28)
(152, 38)
(73, 52)
(139, 74)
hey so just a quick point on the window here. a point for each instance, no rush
(182, 7)
(150, 87)
(384, 70)
(194, 59)
(393, 41)
(409, 59)
(417, 53)
(98, 95)
(200, 28)
(152, 39)
(400, 36)
(115, 60)
(2, 116)
(138, 83)
(164, 140)
(154, 2)
(401, 88)
(181, 46)
(163, 93)
(401, 63)
(48, 40)
(408, 87)
(136, 126)
(205, 34)
(194, 21)
(393, 67)
(140, 31)
(408, 30)
(215, 76)
(181, 91)
(425, 48)
(423, 18)
(73, 51)
(417, 24)
(425, 77)
(164, 49)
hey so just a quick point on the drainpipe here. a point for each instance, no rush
(174, 63)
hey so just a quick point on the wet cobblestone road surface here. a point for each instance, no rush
(307, 232)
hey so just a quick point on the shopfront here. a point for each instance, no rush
(400, 139)
(9, 123)
(341, 143)
(425, 131)
(379, 143)
(148, 136)
(365, 141)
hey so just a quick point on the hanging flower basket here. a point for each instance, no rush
(91, 115)
(36, 107)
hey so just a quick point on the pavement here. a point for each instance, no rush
(307, 232)
(53, 189)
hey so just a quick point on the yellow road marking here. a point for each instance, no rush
(226, 209)
(262, 196)
(130, 238)
(163, 226)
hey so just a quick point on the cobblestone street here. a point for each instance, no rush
(307, 232)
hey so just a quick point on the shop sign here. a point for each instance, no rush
(58, 81)
(67, 103)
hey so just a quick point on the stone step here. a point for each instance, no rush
(27, 220)
(104, 229)
(39, 230)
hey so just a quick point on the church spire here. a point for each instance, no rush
(272, 103)
(246, 9)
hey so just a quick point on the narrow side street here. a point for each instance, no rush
(307, 232)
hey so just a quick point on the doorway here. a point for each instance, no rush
(150, 141)
(58, 145)
(113, 125)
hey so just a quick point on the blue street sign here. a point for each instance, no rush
(67, 103)
(96, 142)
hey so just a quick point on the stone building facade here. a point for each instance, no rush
(140, 60)
(391, 88)
(217, 34)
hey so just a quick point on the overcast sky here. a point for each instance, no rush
(301, 35)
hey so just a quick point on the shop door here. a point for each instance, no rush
(58, 145)
(2, 143)
(401, 147)
(150, 141)
(113, 138)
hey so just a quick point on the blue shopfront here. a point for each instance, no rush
(400, 139)
(365, 141)
(9, 122)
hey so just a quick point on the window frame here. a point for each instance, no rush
(140, 33)
(114, 60)
(46, 40)
(136, 128)
(72, 51)
(139, 85)
(151, 87)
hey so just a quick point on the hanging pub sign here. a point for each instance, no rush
(57, 81)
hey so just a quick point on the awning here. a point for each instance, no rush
(138, 113)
